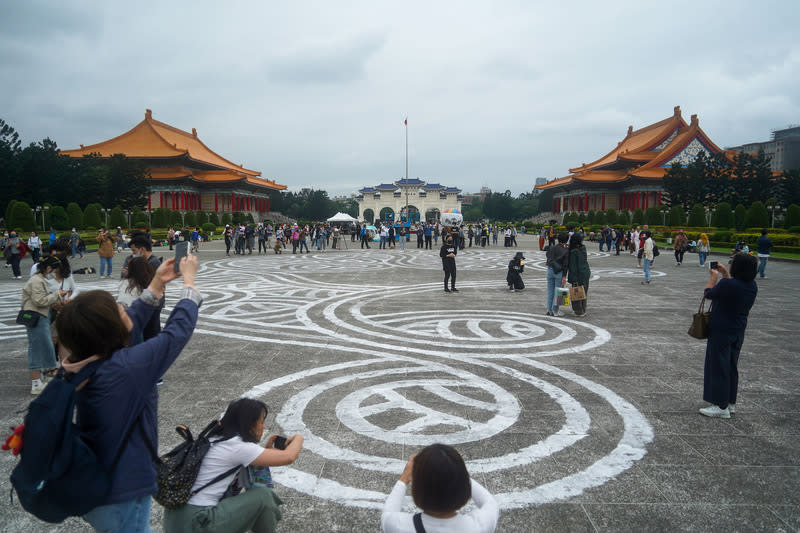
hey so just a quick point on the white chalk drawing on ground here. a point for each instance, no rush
(393, 405)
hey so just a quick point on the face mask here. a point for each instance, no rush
(51, 275)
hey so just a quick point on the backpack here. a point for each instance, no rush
(59, 475)
(176, 471)
(656, 252)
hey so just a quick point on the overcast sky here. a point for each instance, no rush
(314, 94)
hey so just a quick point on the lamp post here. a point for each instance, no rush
(664, 215)
(709, 211)
(148, 211)
(773, 208)
(106, 211)
(36, 211)
(183, 213)
(128, 217)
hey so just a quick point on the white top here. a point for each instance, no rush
(221, 457)
(481, 520)
(67, 284)
(126, 295)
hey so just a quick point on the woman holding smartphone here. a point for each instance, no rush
(235, 443)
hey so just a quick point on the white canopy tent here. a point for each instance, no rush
(342, 217)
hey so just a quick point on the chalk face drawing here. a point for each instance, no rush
(477, 378)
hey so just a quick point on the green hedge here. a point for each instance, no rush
(781, 239)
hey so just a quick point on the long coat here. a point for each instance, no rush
(579, 271)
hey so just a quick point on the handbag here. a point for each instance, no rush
(700, 322)
(577, 293)
(28, 318)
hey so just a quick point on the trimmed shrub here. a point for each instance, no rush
(91, 216)
(59, 218)
(757, 216)
(738, 217)
(213, 218)
(697, 216)
(22, 217)
(611, 216)
(623, 219)
(75, 216)
(794, 229)
(653, 216)
(117, 218)
(208, 227)
(722, 236)
(160, 217)
(676, 217)
(723, 216)
(226, 218)
(638, 217)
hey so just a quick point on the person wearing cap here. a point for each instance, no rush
(515, 267)
(448, 253)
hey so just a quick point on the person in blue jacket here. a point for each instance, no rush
(764, 245)
(122, 392)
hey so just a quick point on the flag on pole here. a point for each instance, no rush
(405, 122)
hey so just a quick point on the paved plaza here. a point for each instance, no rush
(574, 424)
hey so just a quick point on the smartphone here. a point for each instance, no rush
(280, 443)
(713, 265)
(181, 251)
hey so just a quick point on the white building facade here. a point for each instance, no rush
(425, 201)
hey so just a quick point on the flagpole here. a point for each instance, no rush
(408, 215)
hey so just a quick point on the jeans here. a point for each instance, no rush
(762, 265)
(303, 244)
(132, 516)
(14, 260)
(383, 242)
(553, 281)
(646, 268)
(41, 354)
(105, 262)
(702, 256)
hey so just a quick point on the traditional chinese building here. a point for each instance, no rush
(631, 175)
(388, 201)
(185, 173)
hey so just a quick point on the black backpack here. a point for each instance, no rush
(176, 471)
(656, 252)
(59, 475)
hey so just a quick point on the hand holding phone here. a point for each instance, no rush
(713, 265)
(181, 251)
(279, 443)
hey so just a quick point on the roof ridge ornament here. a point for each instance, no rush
(194, 133)
(695, 121)
(148, 114)
(630, 130)
(677, 111)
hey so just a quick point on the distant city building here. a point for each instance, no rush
(631, 175)
(783, 150)
(426, 201)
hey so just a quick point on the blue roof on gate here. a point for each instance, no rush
(411, 181)
(386, 187)
(452, 189)
(366, 190)
(433, 187)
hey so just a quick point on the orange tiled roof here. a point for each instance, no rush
(153, 139)
(643, 153)
(212, 176)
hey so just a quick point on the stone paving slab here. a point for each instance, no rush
(575, 424)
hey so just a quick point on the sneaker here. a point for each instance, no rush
(37, 387)
(558, 313)
(731, 408)
(549, 313)
(453, 290)
(447, 290)
(160, 381)
(715, 412)
(511, 289)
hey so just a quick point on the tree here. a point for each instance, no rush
(676, 216)
(214, 219)
(138, 217)
(638, 217)
(91, 217)
(738, 217)
(697, 216)
(22, 217)
(200, 218)
(59, 219)
(653, 216)
(623, 220)
(117, 218)
(723, 216)
(757, 216)
(189, 219)
(590, 217)
(160, 217)
(611, 216)
(175, 219)
(75, 215)
(226, 218)
(600, 217)
(792, 216)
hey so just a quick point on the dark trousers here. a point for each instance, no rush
(365, 242)
(721, 373)
(419, 242)
(428, 242)
(579, 306)
(227, 247)
(262, 244)
(14, 260)
(450, 275)
(679, 256)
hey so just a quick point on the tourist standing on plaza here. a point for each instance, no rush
(402, 239)
(557, 266)
(36, 297)
(440, 486)
(579, 272)
(262, 238)
(647, 257)
(228, 235)
(122, 391)
(731, 297)
(235, 443)
(507, 237)
(141, 247)
(105, 252)
(13, 254)
(428, 236)
(448, 253)
(619, 236)
(703, 248)
(73, 240)
(764, 246)
(364, 237)
(514, 236)
(680, 246)
(35, 246)
(495, 231)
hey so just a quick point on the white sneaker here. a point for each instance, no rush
(558, 313)
(37, 387)
(715, 412)
(732, 408)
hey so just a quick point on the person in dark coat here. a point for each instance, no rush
(731, 300)
(448, 253)
(579, 271)
(516, 267)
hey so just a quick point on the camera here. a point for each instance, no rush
(713, 265)
(280, 443)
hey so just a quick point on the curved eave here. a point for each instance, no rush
(637, 141)
(681, 141)
(140, 141)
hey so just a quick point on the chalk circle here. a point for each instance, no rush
(355, 413)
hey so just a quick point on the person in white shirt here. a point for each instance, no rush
(235, 444)
(440, 486)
